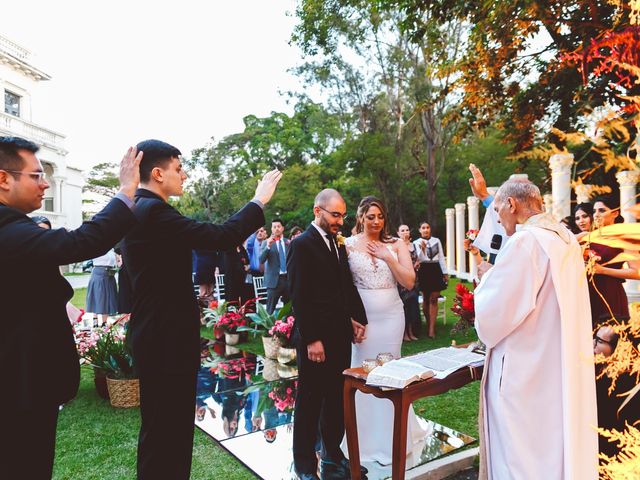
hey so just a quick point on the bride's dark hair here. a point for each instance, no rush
(365, 204)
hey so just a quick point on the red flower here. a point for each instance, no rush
(461, 289)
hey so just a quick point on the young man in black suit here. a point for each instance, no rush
(329, 316)
(165, 322)
(36, 338)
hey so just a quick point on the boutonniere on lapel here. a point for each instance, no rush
(340, 239)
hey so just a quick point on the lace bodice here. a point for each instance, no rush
(369, 273)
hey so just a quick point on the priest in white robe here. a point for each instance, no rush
(538, 405)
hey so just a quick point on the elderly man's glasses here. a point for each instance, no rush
(335, 215)
(37, 176)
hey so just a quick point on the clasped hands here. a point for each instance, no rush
(315, 350)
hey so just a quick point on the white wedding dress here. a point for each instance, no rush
(385, 314)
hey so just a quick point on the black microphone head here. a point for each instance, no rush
(496, 241)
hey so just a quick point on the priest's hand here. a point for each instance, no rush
(483, 268)
(478, 183)
(315, 351)
(359, 331)
(267, 186)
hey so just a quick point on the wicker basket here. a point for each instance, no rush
(124, 393)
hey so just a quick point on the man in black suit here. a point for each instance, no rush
(329, 316)
(273, 253)
(164, 331)
(37, 339)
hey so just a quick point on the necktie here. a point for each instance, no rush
(332, 246)
(283, 260)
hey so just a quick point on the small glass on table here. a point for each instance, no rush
(369, 364)
(385, 357)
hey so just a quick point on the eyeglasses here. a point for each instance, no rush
(37, 176)
(335, 215)
(597, 340)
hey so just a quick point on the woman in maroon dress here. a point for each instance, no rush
(608, 280)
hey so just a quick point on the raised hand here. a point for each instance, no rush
(478, 183)
(130, 171)
(267, 186)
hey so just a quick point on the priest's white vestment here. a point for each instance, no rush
(538, 401)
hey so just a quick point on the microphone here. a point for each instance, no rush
(496, 243)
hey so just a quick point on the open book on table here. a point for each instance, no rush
(437, 363)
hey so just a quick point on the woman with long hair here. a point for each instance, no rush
(378, 264)
(606, 291)
(431, 276)
(583, 217)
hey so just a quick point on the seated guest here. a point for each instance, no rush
(39, 328)
(206, 263)
(236, 268)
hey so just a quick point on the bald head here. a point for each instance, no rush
(326, 197)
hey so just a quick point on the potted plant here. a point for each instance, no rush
(110, 355)
(282, 331)
(261, 322)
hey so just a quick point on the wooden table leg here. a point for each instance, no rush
(349, 399)
(400, 417)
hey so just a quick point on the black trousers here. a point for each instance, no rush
(167, 407)
(274, 294)
(28, 442)
(319, 407)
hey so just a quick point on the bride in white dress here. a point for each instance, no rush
(378, 263)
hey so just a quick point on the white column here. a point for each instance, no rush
(560, 164)
(461, 254)
(451, 240)
(627, 180)
(474, 224)
(583, 192)
(57, 199)
(547, 198)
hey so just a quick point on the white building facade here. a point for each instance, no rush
(18, 80)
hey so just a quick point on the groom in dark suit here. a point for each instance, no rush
(329, 316)
(164, 330)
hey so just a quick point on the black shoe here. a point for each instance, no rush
(308, 476)
(341, 470)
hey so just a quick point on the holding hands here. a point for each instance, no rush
(359, 331)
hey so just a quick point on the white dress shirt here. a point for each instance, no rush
(326, 239)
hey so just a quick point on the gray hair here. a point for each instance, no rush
(522, 190)
(325, 196)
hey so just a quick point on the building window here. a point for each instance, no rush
(11, 103)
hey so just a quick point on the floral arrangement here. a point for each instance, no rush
(228, 317)
(340, 240)
(284, 396)
(261, 322)
(464, 308)
(471, 235)
(282, 330)
(106, 350)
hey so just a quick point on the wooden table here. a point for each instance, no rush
(355, 379)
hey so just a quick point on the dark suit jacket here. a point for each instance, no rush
(322, 290)
(271, 259)
(38, 360)
(164, 329)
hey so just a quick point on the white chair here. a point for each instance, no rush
(259, 289)
(220, 287)
(442, 309)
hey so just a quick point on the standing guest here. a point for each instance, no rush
(102, 292)
(236, 268)
(583, 217)
(125, 294)
(329, 315)
(295, 232)
(164, 330)
(273, 253)
(431, 276)
(607, 281)
(206, 263)
(538, 391)
(410, 296)
(253, 250)
(38, 328)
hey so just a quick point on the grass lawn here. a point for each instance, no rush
(97, 441)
